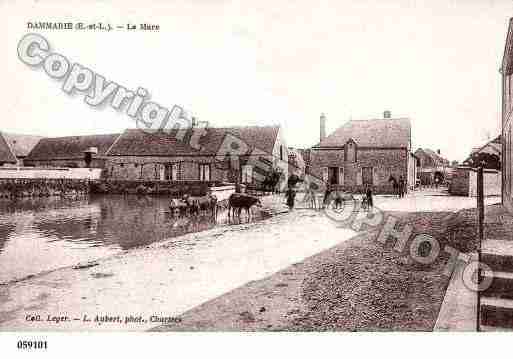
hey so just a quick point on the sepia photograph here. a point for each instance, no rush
(284, 167)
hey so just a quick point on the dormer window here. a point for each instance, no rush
(350, 151)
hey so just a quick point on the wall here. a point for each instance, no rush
(492, 181)
(460, 182)
(412, 171)
(149, 167)
(77, 163)
(282, 163)
(49, 173)
(464, 182)
(507, 165)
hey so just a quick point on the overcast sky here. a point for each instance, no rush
(272, 62)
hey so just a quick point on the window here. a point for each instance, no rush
(367, 176)
(172, 172)
(247, 174)
(204, 172)
(281, 153)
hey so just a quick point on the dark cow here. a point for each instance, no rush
(238, 201)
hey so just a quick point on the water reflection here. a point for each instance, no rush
(43, 234)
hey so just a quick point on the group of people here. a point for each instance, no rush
(398, 185)
(330, 195)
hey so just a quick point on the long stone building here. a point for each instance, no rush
(365, 152)
(162, 156)
(214, 155)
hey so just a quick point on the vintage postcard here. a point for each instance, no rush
(241, 166)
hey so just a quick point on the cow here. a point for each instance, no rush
(178, 206)
(195, 204)
(238, 201)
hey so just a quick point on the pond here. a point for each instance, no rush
(38, 235)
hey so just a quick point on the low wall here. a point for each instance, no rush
(223, 192)
(173, 189)
(32, 187)
(49, 173)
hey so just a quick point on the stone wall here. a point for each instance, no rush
(464, 182)
(460, 182)
(152, 168)
(31, 188)
(173, 189)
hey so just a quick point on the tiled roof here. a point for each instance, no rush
(139, 143)
(434, 156)
(6, 153)
(492, 147)
(21, 145)
(70, 147)
(385, 132)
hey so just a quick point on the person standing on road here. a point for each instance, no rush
(291, 196)
(401, 186)
(368, 195)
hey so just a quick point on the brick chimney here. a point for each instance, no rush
(322, 127)
(387, 114)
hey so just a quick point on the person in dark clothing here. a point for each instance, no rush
(327, 195)
(401, 186)
(368, 194)
(291, 196)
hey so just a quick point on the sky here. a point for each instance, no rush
(236, 63)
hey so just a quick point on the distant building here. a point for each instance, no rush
(71, 151)
(14, 148)
(137, 155)
(366, 152)
(507, 122)
(489, 155)
(431, 167)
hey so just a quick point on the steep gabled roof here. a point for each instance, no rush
(6, 153)
(21, 145)
(135, 142)
(386, 132)
(70, 147)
